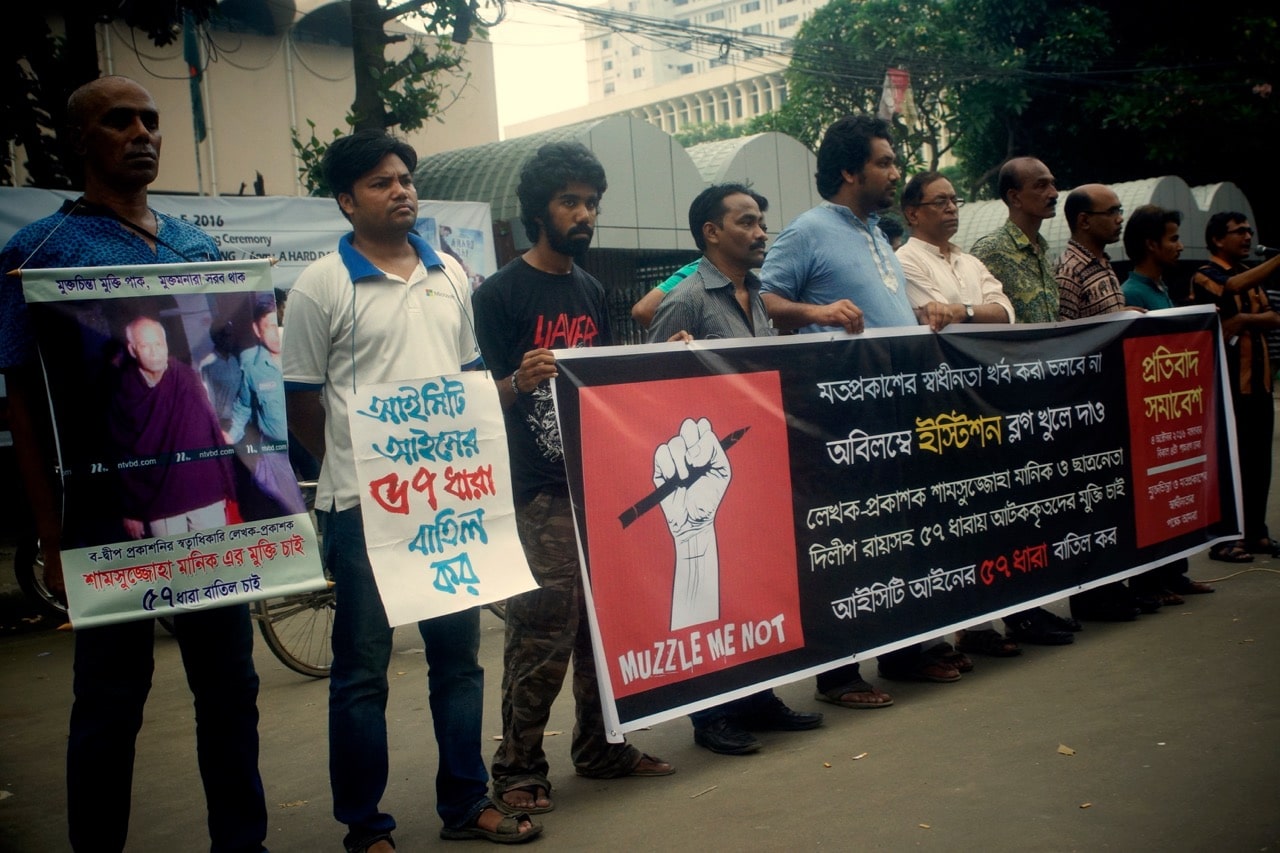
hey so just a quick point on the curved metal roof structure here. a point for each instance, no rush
(773, 164)
(651, 180)
(1169, 191)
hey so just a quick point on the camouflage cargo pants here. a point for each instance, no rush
(544, 628)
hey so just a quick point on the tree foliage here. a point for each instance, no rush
(46, 69)
(838, 66)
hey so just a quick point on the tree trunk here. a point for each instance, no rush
(367, 43)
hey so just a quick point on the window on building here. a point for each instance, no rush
(608, 88)
(715, 15)
(685, 69)
(604, 44)
(752, 30)
(788, 21)
(717, 62)
(608, 65)
(682, 22)
(749, 6)
(752, 52)
(637, 72)
(635, 50)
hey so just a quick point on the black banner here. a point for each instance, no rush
(751, 512)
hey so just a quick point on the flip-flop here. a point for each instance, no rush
(1232, 552)
(857, 688)
(508, 831)
(507, 808)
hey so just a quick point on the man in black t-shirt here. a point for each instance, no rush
(539, 302)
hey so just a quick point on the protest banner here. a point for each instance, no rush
(437, 507)
(753, 512)
(163, 512)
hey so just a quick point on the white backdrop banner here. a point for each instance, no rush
(294, 231)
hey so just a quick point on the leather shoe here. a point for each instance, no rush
(774, 716)
(1033, 628)
(1110, 603)
(725, 738)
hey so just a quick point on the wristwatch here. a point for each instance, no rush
(968, 313)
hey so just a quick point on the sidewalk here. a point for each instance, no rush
(1174, 719)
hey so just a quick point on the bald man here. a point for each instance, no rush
(115, 133)
(1087, 284)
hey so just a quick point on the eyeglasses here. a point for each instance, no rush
(1110, 211)
(941, 202)
(1243, 229)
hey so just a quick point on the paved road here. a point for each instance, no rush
(1174, 719)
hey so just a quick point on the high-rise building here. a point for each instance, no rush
(680, 63)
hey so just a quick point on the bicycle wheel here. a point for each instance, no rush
(28, 566)
(297, 629)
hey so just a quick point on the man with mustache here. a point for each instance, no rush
(385, 307)
(721, 299)
(115, 132)
(831, 269)
(542, 301)
(1017, 254)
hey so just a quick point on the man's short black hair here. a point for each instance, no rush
(1078, 201)
(1146, 223)
(914, 192)
(846, 147)
(1218, 226)
(349, 157)
(708, 206)
(552, 168)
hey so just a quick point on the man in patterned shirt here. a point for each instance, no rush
(1016, 253)
(1087, 284)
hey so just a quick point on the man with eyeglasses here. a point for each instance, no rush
(1088, 287)
(1087, 284)
(945, 284)
(1247, 315)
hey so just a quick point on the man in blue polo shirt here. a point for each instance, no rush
(383, 308)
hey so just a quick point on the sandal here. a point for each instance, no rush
(508, 808)
(987, 642)
(865, 696)
(1230, 552)
(508, 831)
(946, 653)
(1267, 547)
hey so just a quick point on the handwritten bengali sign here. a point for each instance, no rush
(431, 455)
(163, 514)
(922, 483)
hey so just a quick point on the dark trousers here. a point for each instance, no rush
(1255, 425)
(358, 691)
(113, 667)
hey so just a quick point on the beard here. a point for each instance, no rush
(570, 243)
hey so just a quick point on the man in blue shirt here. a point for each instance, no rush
(832, 268)
(115, 128)
(261, 399)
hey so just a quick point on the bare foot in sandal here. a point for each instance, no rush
(531, 799)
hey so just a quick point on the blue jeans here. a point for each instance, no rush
(113, 667)
(358, 696)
